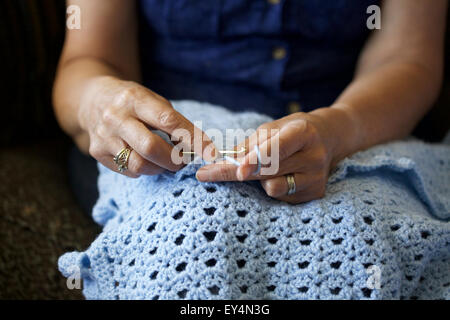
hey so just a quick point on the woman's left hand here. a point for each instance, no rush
(306, 150)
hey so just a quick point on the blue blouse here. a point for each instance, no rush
(272, 56)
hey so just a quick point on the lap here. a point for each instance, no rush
(374, 236)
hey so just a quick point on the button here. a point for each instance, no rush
(294, 107)
(279, 53)
(273, 1)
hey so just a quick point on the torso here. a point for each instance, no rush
(264, 55)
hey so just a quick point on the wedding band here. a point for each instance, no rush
(291, 184)
(121, 159)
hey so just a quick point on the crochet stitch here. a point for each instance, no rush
(380, 232)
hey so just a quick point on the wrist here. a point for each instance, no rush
(343, 131)
(93, 94)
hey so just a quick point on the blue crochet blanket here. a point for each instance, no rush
(381, 232)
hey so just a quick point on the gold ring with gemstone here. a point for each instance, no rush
(121, 159)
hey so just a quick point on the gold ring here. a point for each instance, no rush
(291, 184)
(121, 159)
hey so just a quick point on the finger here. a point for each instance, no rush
(147, 144)
(289, 139)
(217, 172)
(278, 187)
(261, 134)
(313, 192)
(108, 162)
(302, 161)
(137, 165)
(159, 114)
(103, 152)
(225, 171)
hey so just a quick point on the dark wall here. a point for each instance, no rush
(31, 37)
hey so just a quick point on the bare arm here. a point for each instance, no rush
(99, 102)
(106, 45)
(398, 77)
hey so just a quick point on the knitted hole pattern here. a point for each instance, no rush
(381, 232)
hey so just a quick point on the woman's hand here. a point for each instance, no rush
(307, 150)
(117, 113)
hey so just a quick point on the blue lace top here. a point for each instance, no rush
(270, 56)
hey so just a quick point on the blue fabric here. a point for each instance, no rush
(382, 231)
(221, 51)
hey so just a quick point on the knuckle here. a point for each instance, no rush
(101, 131)
(126, 95)
(137, 165)
(299, 125)
(168, 119)
(264, 127)
(272, 188)
(297, 115)
(223, 173)
(283, 153)
(162, 100)
(148, 145)
(95, 150)
(112, 118)
(265, 131)
(311, 131)
(109, 115)
(321, 157)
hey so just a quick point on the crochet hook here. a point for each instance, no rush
(243, 149)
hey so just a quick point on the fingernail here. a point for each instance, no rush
(201, 175)
(213, 153)
(210, 153)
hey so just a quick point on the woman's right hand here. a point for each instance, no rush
(117, 114)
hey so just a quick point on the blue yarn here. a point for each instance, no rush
(258, 156)
(237, 164)
(233, 161)
(385, 216)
